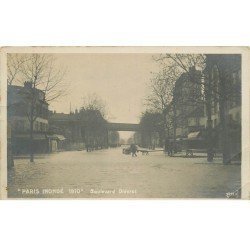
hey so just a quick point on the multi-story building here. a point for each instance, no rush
(188, 103)
(81, 129)
(68, 125)
(19, 106)
(223, 76)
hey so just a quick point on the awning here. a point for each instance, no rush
(61, 137)
(57, 137)
(194, 135)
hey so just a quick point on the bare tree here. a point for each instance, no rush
(39, 72)
(178, 64)
(14, 66)
(223, 94)
(94, 102)
(182, 64)
(162, 85)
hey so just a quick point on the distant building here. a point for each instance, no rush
(84, 129)
(69, 126)
(189, 104)
(18, 119)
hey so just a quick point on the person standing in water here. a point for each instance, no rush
(133, 149)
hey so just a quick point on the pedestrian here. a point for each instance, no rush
(170, 149)
(133, 149)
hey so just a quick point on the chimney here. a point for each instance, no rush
(28, 84)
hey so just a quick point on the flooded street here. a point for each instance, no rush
(110, 174)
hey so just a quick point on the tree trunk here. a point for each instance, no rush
(210, 151)
(10, 160)
(31, 132)
(150, 139)
(174, 123)
(224, 117)
(107, 138)
(165, 128)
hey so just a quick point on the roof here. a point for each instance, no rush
(27, 136)
(17, 93)
(62, 117)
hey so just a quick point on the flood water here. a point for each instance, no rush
(110, 174)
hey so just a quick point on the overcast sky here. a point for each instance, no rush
(121, 80)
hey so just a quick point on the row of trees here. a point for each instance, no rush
(163, 100)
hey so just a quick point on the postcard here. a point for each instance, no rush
(125, 122)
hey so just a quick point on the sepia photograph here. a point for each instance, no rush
(110, 124)
(124, 125)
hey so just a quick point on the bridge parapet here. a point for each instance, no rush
(123, 126)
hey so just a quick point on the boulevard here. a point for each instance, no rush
(110, 174)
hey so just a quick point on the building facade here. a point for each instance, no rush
(19, 106)
(84, 129)
(188, 103)
(69, 126)
(223, 76)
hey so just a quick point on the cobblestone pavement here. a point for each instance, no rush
(111, 174)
